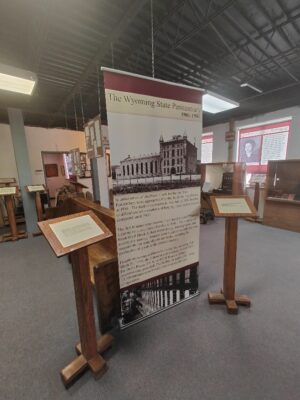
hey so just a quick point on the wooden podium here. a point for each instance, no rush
(232, 208)
(9, 192)
(73, 234)
(37, 189)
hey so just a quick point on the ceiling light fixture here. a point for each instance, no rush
(17, 80)
(214, 103)
(251, 87)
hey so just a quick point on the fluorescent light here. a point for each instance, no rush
(17, 80)
(214, 103)
(251, 87)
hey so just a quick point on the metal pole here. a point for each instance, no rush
(75, 113)
(152, 38)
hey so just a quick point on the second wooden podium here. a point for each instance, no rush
(230, 207)
(8, 193)
(72, 234)
(37, 190)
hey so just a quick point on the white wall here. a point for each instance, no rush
(38, 140)
(220, 146)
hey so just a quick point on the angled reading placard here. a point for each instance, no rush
(35, 188)
(72, 232)
(232, 206)
(8, 190)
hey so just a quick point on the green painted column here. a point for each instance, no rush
(17, 129)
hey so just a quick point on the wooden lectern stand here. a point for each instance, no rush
(72, 234)
(231, 207)
(9, 193)
(37, 189)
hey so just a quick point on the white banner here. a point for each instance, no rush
(155, 132)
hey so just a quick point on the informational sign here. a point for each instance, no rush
(155, 150)
(75, 162)
(35, 188)
(232, 206)
(259, 144)
(4, 191)
(72, 232)
(207, 147)
(93, 138)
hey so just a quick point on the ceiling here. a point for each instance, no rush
(212, 44)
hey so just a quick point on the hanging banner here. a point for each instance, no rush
(155, 142)
(93, 138)
(261, 143)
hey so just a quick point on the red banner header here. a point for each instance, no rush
(151, 87)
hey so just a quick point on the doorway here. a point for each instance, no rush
(55, 170)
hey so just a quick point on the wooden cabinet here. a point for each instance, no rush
(282, 204)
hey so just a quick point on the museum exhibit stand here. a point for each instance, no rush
(73, 234)
(231, 208)
(282, 203)
(103, 263)
(8, 193)
(36, 190)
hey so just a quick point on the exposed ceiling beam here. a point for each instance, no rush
(128, 17)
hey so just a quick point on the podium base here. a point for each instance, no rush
(9, 237)
(80, 364)
(232, 305)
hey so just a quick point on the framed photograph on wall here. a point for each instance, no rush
(51, 170)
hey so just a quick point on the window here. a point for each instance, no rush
(132, 169)
(207, 147)
(124, 173)
(128, 173)
(137, 168)
(142, 168)
(260, 143)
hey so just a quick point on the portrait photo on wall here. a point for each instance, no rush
(250, 149)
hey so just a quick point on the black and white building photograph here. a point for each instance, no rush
(157, 294)
(174, 165)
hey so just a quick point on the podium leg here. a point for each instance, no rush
(14, 234)
(39, 208)
(89, 347)
(39, 211)
(227, 295)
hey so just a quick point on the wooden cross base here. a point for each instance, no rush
(80, 364)
(36, 234)
(10, 237)
(232, 305)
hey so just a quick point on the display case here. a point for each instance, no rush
(223, 178)
(282, 204)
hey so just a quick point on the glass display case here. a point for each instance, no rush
(282, 206)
